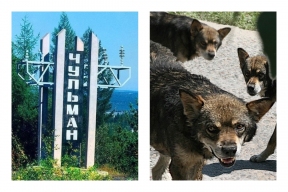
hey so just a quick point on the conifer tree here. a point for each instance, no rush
(25, 41)
(24, 44)
(70, 33)
(24, 100)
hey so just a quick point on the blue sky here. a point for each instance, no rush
(114, 29)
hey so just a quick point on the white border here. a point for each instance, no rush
(143, 8)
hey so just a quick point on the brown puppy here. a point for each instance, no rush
(187, 38)
(192, 119)
(256, 73)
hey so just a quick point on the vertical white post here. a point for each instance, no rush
(43, 96)
(92, 108)
(79, 44)
(58, 95)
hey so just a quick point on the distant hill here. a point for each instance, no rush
(121, 100)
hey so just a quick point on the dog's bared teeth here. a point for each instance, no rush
(228, 160)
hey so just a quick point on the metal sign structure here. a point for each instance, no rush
(43, 66)
(67, 92)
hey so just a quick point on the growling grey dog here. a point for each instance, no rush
(191, 119)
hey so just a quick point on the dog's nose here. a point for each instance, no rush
(251, 87)
(229, 150)
(211, 54)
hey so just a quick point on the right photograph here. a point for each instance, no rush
(213, 96)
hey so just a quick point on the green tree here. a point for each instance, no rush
(132, 117)
(24, 119)
(70, 33)
(117, 143)
(25, 41)
(24, 44)
(24, 100)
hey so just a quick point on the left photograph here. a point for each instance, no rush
(74, 96)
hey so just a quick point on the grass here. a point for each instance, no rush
(114, 174)
(48, 171)
(243, 20)
(58, 173)
(68, 173)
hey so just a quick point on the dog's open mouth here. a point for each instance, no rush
(228, 162)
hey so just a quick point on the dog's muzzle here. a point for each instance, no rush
(251, 89)
(229, 152)
(211, 55)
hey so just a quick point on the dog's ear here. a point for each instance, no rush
(196, 26)
(223, 32)
(259, 108)
(266, 64)
(192, 103)
(243, 55)
(265, 61)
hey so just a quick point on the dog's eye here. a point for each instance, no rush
(203, 43)
(261, 76)
(247, 73)
(212, 129)
(240, 127)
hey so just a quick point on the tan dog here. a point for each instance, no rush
(256, 73)
(187, 38)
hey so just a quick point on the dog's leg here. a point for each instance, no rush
(181, 172)
(268, 151)
(159, 168)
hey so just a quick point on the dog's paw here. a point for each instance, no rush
(257, 158)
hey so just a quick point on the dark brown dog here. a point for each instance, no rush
(256, 73)
(187, 38)
(192, 119)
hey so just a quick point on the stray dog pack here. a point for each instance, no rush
(191, 119)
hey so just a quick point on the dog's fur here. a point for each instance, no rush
(187, 38)
(192, 119)
(257, 76)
